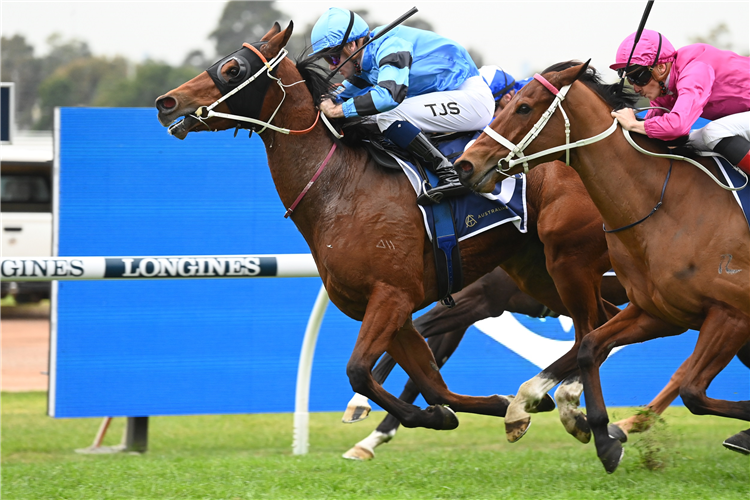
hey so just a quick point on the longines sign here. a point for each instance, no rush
(205, 266)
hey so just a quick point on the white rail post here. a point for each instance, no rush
(302, 395)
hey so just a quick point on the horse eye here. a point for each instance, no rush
(234, 71)
(523, 109)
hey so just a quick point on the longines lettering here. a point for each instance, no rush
(173, 267)
(41, 267)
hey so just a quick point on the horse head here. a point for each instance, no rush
(516, 132)
(233, 88)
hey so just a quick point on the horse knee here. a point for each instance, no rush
(358, 377)
(694, 400)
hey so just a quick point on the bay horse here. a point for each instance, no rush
(366, 234)
(674, 265)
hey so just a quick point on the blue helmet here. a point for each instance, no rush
(331, 28)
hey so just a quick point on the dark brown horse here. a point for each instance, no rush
(366, 233)
(675, 265)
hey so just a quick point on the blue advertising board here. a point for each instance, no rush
(177, 347)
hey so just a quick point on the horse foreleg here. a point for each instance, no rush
(412, 353)
(386, 319)
(442, 346)
(630, 326)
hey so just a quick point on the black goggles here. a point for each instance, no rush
(636, 75)
(334, 59)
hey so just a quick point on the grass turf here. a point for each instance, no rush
(249, 456)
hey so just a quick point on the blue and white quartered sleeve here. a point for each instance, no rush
(394, 58)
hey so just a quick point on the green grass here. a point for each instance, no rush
(249, 456)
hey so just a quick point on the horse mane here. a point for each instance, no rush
(611, 93)
(618, 99)
(317, 82)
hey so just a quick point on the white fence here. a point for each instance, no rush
(192, 267)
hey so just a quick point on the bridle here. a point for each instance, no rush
(516, 150)
(515, 155)
(267, 70)
(265, 74)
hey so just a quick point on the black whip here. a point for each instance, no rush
(385, 30)
(638, 33)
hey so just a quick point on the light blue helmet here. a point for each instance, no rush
(331, 28)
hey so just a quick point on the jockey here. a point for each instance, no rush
(697, 80)
(412, 81)
(502, 84)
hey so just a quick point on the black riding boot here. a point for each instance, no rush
(448, 184)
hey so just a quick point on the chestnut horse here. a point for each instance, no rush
(674, 265)
(366, 233)
(490, 296)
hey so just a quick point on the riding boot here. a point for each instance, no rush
(736, 149)
(448, 184)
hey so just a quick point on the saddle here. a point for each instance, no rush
(444, 240)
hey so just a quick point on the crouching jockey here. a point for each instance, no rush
(411, 81)
(696, 80)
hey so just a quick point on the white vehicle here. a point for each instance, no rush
(26, 168)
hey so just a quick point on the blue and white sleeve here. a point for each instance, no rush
(394, 58)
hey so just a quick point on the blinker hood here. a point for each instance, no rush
(248, 101)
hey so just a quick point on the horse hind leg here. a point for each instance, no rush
(724, 332)
(643, 421)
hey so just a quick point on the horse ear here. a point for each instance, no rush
(279, 40)
(583, 69)
(274, 29)
(568, 76)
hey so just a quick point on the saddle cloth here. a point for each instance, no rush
(734, 178)
(475, 213)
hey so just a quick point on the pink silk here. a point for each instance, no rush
(704, 82)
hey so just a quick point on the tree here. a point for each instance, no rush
(719, 36)
(151, 80)
(18, 65)
(76, 84)
(244, 22)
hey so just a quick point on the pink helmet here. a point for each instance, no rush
(650, 46)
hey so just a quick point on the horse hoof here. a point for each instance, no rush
(740, 442)
(359, 453)
(445, 416)
(615, 432)
(581, 430)
(355, 414)
(515, 430)
(546, 404)
(610, 455)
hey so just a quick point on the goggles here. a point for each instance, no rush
(333, 59)
(636, 75)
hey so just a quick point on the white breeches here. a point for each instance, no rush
(706, 138)
(469, 107)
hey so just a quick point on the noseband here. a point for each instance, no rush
(516, 156)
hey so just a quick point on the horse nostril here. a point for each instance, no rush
(166, 103)
(465, 167)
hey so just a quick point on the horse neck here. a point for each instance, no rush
(294, 159)
(621, 181)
